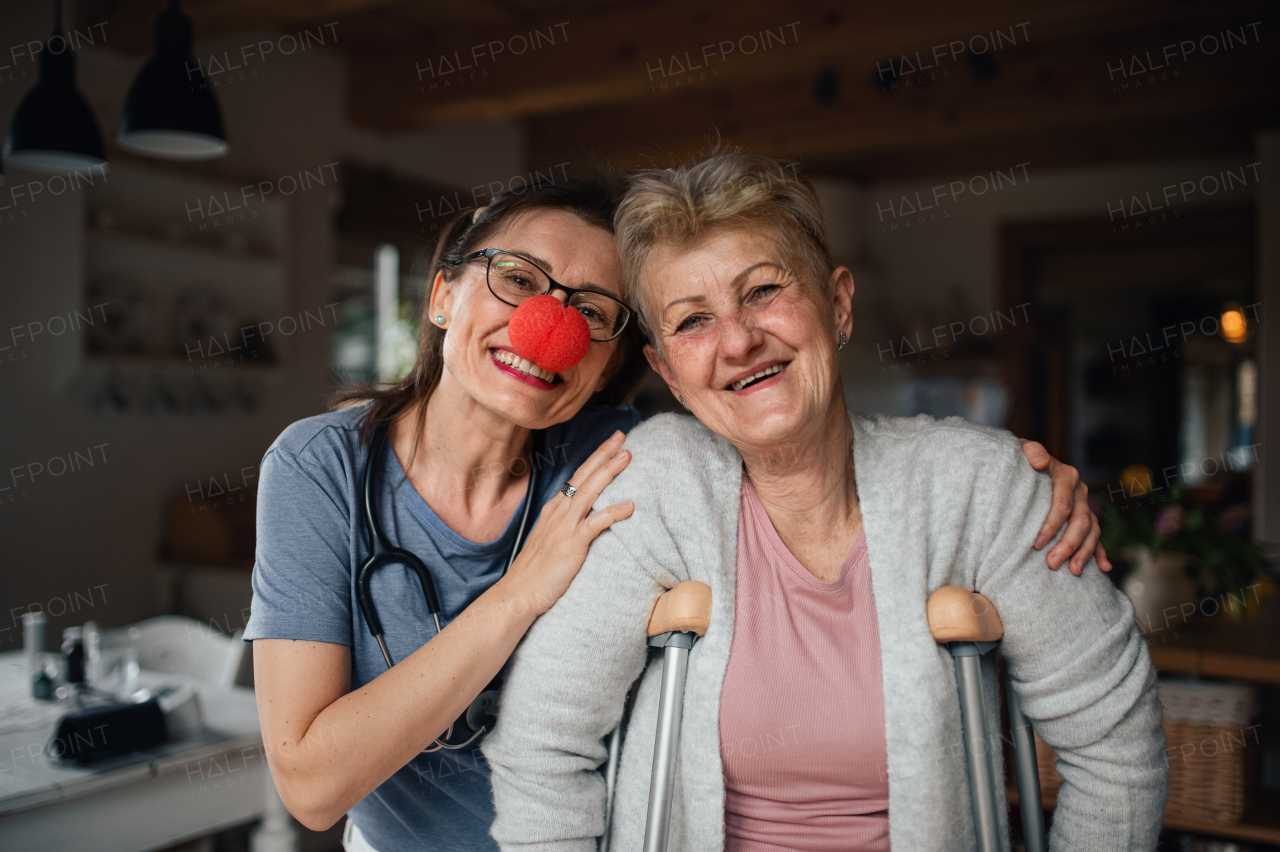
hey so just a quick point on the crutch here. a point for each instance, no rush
(679, 617)
(969, 626)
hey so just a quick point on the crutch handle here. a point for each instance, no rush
(684, 609)
(959, 615)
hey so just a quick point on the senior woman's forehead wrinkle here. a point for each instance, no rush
(682, 300)
(737, 280)
(713, 267)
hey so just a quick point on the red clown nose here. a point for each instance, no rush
(551, 335)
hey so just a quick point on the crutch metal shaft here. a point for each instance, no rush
(679, 617)
(982, 785)
(675, 663)
(967, 625)
(1024, 761)
(610, 783)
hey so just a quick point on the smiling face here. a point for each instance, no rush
(747, 339)
(478, 357)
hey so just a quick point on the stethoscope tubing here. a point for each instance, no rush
(382, 553)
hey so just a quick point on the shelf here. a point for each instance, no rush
(152, 246)
(1261, 823)
(1216, 664)
(145, 197)
(249, 286)
(1207, 647)
(173, 365)
(187, 248)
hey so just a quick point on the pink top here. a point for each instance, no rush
(802, 709)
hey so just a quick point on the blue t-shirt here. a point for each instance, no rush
(311, 542)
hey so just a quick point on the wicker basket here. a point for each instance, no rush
(1212, 749)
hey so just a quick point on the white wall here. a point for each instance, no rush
(96, 531)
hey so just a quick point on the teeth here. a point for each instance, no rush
(741, 383)
(527, 367)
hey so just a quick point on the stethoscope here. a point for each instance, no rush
(481, 714)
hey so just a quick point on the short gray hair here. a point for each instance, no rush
(736, 188)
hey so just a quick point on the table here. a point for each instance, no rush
(143, 801)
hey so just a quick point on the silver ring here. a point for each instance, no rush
(568, 491)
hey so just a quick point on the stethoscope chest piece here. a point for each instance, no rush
(483, 712)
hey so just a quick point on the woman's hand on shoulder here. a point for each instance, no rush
(557, 546)
(1071, 505)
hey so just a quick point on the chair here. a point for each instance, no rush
(176, 644)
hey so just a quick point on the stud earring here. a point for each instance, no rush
(685, 404)
(440, 320)
(844, 338)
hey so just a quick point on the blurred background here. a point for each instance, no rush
(1063, 219)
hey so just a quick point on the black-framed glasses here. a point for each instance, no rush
(512, 279)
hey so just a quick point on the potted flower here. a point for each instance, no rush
(1185, 553)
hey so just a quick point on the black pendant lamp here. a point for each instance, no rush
(170, 111)
(54, 130)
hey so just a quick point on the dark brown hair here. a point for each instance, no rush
(592, 198)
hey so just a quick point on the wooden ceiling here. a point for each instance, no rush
(600, 79)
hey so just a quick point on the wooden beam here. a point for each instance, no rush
(131, 24)
(220, 17)
(1039, 91)
(623, 56)
(1219, 132)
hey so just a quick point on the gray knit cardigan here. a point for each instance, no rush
(943, 503)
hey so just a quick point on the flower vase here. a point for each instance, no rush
(1158, 585)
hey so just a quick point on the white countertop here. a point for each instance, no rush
(29, 778)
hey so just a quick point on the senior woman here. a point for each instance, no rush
(819, 712)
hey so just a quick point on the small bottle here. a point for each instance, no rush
(33, 638)
(33, 650)
(42, 686)
(92, 654)
(73, 656)
(129, 671)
